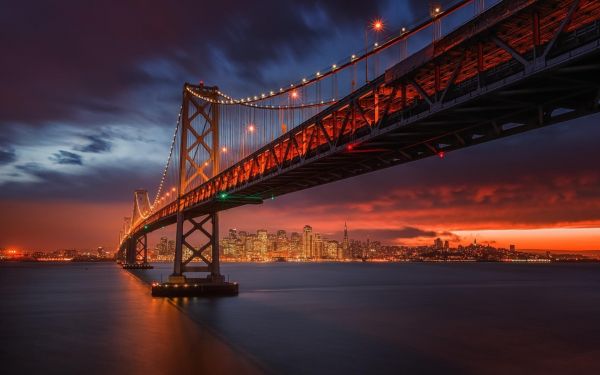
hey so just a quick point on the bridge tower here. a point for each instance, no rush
(199, 162)
(136, 246)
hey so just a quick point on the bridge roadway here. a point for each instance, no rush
(519, 66)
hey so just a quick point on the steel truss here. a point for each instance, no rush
(521, 65)
(191, 169)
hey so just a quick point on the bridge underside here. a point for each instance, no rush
(418, 110)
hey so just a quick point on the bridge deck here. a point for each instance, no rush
(498, 75)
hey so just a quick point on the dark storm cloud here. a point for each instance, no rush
(66, 157)
(97, 144)
(394, 234)
(102, 184)
(7, 155)
(71, 55)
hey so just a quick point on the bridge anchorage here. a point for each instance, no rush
(518, 66)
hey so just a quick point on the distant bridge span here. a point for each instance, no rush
(521, 65)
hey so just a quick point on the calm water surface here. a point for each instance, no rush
(291, 318)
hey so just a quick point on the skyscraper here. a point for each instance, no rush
(307, 242)
(346, 243)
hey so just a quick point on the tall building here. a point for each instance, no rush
(262, 242)
(346, 243)
(438, 243)
(171, 248)
(295, 245)
(162, 247)
(317, 250)
(281, 244)
(307, 242)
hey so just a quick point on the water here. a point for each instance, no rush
(326, 318)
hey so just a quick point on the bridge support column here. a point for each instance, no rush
(141, 250)
(130, 251)
(205, 230)
(136, 253)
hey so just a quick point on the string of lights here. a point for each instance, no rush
(164, 174)
(231, 101)
(377, 25)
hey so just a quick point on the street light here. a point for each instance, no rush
(377, 25)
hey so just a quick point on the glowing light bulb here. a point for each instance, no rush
(251, 128)
(377, 25)
(294, 94)
(334, 66)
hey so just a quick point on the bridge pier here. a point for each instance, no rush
(137, 253)
(207, 252)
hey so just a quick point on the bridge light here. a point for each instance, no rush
(333, 67)
(223, 195)
(224, 149)
(145, 227)
(353, 57)
(349, 147)
(294, 94)
(173, 189)
(404, 29)
(377, 25)
(251, 128)
(441, 154)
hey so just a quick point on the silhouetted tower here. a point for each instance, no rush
(346, 243)
(199, 162)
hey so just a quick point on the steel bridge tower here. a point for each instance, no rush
(136, 248)
(198, 163)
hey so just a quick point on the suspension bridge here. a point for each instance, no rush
(514, 66)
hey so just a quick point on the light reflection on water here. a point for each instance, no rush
(305, 319)
(98, 319)
(479, 318)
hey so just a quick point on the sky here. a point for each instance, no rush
(91, 91)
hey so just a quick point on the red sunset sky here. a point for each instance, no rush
(107, 92)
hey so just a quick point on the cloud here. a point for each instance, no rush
(394, 234)
(97, 144)
(7, 155)
(66, 157)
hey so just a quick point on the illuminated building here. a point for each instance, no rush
(346, 244)
(307, 242)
